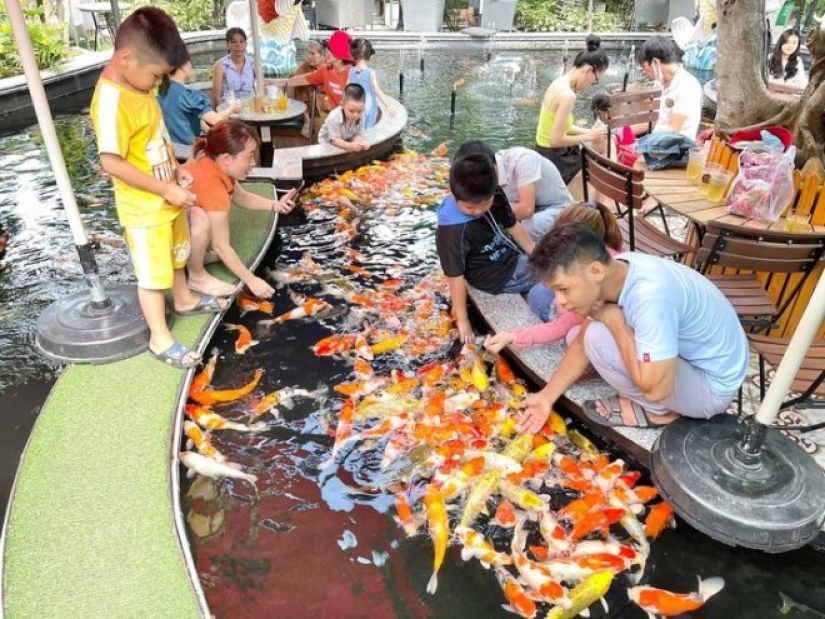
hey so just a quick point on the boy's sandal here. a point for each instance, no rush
(207, 304)
(178, 356)
(227, 290)
(617, 411)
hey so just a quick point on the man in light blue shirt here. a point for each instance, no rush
(659, 332)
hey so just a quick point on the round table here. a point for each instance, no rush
(266, 122)
(104, 9)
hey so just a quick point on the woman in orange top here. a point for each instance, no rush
(220, 159)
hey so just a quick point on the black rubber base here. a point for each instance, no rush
(776, 504)
(71, 330)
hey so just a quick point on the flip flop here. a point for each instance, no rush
(207, 304)
(617, 411)
(212, 293)
(176, 356)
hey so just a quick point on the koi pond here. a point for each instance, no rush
(315, 537)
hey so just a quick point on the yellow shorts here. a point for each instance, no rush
(158, 251)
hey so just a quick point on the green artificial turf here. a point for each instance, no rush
(91, 530)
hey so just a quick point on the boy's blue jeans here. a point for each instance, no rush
(542, 301)
(522, 279)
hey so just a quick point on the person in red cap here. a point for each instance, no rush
(333, 76)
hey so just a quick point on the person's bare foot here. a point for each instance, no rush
(211, 257)
(211, 286)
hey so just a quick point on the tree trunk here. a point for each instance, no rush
(743, 99)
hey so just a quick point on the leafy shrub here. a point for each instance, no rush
(49, 47)
(543, 16)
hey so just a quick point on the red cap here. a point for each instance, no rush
(339, 45)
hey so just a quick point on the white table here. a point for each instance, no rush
(101, 16)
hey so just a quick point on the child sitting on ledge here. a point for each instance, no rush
(343, 127)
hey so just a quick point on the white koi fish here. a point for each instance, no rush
(196, 463)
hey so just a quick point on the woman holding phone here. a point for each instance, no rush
(219, 160)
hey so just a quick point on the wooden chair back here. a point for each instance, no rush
(632, 108)
(788, 257)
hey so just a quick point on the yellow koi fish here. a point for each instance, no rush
(439, 527)
(583, 595)
(477, 499)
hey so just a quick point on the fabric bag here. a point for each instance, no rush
(764, 186)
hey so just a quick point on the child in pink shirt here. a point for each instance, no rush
(601, 219)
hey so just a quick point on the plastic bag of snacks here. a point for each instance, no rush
(764, 186)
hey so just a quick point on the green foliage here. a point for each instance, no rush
(191, 15)
(544, 16)
(47, 41)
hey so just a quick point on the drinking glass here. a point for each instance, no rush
(696, 162)
(704, 179)
(719, 179)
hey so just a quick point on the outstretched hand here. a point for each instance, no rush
(536, 407)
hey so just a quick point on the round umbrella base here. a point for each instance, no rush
(71, 330)
(774, 504)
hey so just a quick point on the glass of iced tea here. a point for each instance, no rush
(719, 179)
(695, 165)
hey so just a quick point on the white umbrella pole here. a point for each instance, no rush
(797, 348)
(256, 43)
(46, 122)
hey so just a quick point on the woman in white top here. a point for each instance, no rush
(785, 64)
(680, 107)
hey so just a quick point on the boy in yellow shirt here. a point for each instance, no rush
(135, 149)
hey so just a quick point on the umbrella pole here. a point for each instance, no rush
(256, 44)
(46, 122)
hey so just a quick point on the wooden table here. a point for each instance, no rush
(266, 122)
(102, 10)
(672, 189)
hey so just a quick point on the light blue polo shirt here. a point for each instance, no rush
(676, 311)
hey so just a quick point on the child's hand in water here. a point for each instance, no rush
(494, 343)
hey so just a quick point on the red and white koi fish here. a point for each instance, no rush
(518, 600)
(667, 604)
(537, 576)
(251, 304)
(405, 516)
(309, 308)
(439, 527)
(210, 420)
(197, 463)
(207, 397)
(244, 341)
(342, 432)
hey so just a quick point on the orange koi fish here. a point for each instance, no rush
(310, 307)
(207, 397)
(334, 345)
(244, 341)
(204, 377)
(210, 420)
(196, 437)
(660, 516)
(601, 519)
(439, 527)
(668, 604)
(251, 304)
(504, 372)
(505, 515)
(440, 151)
(405, 516)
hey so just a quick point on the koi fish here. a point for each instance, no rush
(505, 516)
(197, 463)
(439, 527)
(388, 345)
(203, 379)
(244, 341)
(600, 519)
(405, 516)
(536, 575)
(583, 595)
(504, 372)
(667, 604)
(477, 499)
(196, 437)
(342, 432)
(476, 547)
(310, 307)
(440, 151)
(522, 497)
(209, 420)
(585, 444)
(284, 397)
(518, 600)
(207, 397)
(660, 516)
(251, 304)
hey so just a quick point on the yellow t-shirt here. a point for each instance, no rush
(130, 124)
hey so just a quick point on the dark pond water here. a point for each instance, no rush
(279, 556)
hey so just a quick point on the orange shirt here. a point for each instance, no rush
(333, 82)
(212, 187)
